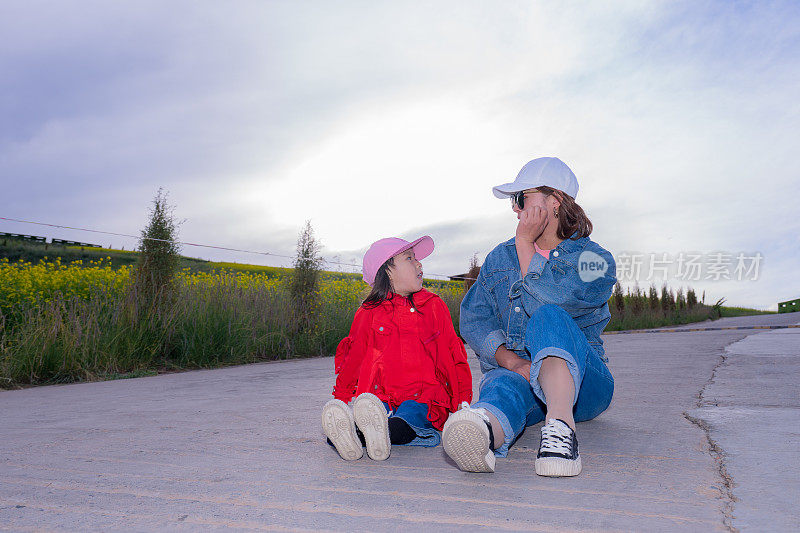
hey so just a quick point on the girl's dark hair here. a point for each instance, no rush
(382, 288)
(571, 217)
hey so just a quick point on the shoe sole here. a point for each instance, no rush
(339, 426)
(466, 440)
(372, 420)
(558, 467)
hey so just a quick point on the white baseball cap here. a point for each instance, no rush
(544, 171)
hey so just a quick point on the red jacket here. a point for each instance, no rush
(399, 353)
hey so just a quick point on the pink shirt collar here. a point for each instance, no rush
(542, 251)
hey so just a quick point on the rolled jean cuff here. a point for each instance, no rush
(502, 451)
(489, 348)
(536, 365)
(429, 438)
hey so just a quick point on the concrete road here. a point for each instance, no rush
(701, 435)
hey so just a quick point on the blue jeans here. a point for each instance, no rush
(415, 414)
(517, 403)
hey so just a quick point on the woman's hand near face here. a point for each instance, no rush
(511, 361)
(532, 222)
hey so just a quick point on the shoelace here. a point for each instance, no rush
(556, 438)
(480, 411)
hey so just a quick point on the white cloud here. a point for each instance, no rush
(379, 118)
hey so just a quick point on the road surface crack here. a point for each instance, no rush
(716, 452)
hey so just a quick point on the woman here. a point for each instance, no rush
(534, 317)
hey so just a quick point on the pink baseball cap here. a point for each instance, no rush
(384, 249)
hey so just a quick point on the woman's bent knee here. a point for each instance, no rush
(594, 398)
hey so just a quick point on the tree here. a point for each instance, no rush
(637, 300)
(619, 298)
(159, 255)
(691, 298)
(653, 297)
(680, 301)
(472, 273)
(667, 303)
(305, 279)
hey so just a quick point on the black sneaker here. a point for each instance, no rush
(558, 450)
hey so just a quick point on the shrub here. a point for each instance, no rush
(157, 265)
(653, 298)
(472, 273)
(691, 299)
(305, 278)
(619, 299)
(680, 301)
(667, 303)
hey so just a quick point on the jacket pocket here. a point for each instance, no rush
(499, 289)
(381, 333)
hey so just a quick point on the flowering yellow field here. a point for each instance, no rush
(67, 322)
(24, 285)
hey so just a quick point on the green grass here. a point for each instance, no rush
(15, 250)
(113, 334)
(743, 311)
(647, 318)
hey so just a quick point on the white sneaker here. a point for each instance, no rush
(558, 451)
(373, 421)
(466, 439)
(339, 426)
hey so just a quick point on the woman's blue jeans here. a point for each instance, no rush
(518, 403)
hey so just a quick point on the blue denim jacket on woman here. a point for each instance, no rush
(496, 309)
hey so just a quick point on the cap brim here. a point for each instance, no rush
(507, 189)
(423, 247)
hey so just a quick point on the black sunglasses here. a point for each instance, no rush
(518, 198)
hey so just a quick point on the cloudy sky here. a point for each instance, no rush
(381, 118)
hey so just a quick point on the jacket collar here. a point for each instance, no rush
(420, 299)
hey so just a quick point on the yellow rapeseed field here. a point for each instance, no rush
(24, 284)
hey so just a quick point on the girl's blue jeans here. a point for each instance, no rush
(517, 403)
(415, 414)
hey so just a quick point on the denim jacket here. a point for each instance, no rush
(496, 309)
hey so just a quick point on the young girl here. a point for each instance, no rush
(402, 367)
(534, 317)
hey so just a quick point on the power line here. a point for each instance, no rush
(195, 244)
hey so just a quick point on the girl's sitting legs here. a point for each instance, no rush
(414, 416)
(371, 423)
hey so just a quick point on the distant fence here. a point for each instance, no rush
(789, 307)
(19, 237)
(43, 240)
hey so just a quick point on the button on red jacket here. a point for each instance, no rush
(402, 353)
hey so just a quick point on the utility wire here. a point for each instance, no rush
(197, 244)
